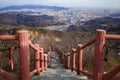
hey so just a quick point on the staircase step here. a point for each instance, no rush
(58, 74)
(57, 71)
(55, 61)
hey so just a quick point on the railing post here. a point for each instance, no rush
(68, 60)
(24, 55)
(73, 59)
(42, 58)
(11, 58)
(80, 55)
(37, 59)
(98, 55)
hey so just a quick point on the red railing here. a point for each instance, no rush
(41, 59)
(70, 59)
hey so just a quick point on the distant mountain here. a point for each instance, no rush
(33, 7)
(107, 23)
(116, 15)
(27, 20)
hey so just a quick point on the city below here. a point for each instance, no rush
(53, 16)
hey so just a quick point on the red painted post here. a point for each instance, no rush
(48, 57)
(11, 58)
(80, 55)
(37, 59)
(68, 60)
(73, 59)
(46, 61)
(24, 55)
(98, 55)
(42, 58)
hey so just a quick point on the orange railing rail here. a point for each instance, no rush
(41, 59)
(69, 59)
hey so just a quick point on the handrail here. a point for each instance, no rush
(108, 36)
(84, 46)
(86, 73)
(32, 45)
(8, 75)
(99, 40)
(34, 72)
(89, 43)
(41, 59)
(8, 37)
(112, 73)
(79, 52)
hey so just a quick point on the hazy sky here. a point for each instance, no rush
(66, 3)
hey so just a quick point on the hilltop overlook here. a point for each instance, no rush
(58, 28)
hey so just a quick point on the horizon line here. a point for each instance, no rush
(66, 6)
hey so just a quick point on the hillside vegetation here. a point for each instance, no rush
(64, 40)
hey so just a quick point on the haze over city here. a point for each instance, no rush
(65, 3)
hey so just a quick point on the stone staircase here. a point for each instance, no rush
(55, 62)
(57, 71)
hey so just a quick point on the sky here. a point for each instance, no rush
(65, 3)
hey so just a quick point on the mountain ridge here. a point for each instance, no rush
(30, 6)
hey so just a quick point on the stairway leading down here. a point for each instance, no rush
(55, 62)
(57, 71)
